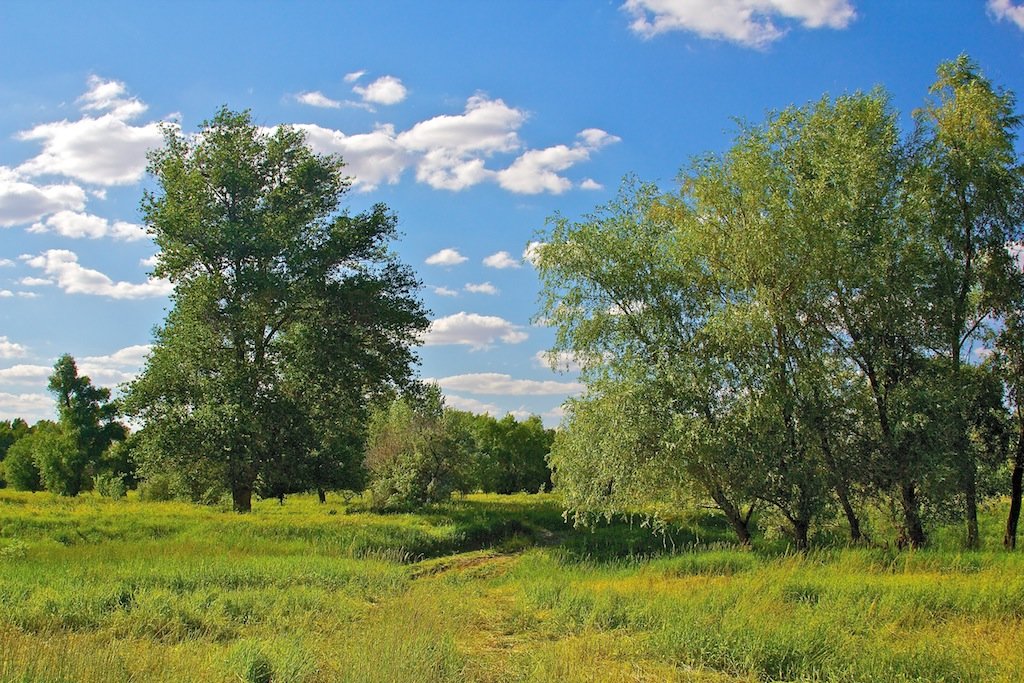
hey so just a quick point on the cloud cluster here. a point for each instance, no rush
(499, 384)
(77, 225)
(473, 330)
(29, 407)
(63, 267)
(105, 149)
(9, 349)
(384, 90)
(23, 202)
(116, 368)
(1005, 10)
(451, 151)
(481, 288)
(751, 23)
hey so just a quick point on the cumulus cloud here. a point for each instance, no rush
(35, 281)
(591, 184)
(6, 263)
(371, 158)
(316, 98)
(1005, 10)
(444, 291)
(499, 384)
(104, 149)
(471, 405)
(116, 368)
(473, 330)
(501, 260)
(25, 374)
(29, 407)
(481, 288)
(384, 90)
(752, 23)
(537, 170)
(532, 251)
(77, 225)
(446, 257)
(24, 202)
(6, 294)
(354, 76)
(9, 349)
(63, 266)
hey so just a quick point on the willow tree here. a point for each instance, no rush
(288, 311)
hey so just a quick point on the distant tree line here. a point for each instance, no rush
(825, 317)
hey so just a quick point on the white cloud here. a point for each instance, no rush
(6, 293)
(473, 330)
(28, 295)
(453, 147)
(532, 251)
(562, 361)
(371, 158)
(116, 368)
(109, 96)
(446, 257)
(499, 384)
(105, 149)
(1005, 10)
(29, 407)
(747, 22)
(591, 184)
(384, 90)
(34, 281)
(481, 288)
(537, 170)
(501, 260)
(149, 261)
(444, 291)
(9, 349)
(25, 374)
(77, 225)
(73, 278)
(316, 98)
(6, 263)
(354, 76)
(23, 202)
(471, 405)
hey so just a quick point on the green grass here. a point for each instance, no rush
(489, 588)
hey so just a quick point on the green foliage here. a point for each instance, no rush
(798, 315)
(418, 451)
(20, 468)
(288, 312)
(10, 431)
(110, 485)
(61, 466)
(510, 455)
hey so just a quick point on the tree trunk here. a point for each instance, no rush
(740, 523)
(241, 497)
(913, 530)
(1016, 481)
(801, 527)
(851, 515)
(321, 494)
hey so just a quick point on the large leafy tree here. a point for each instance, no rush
(289, 312)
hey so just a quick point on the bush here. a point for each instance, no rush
(110, 485)
(157, 488)
(20, 469)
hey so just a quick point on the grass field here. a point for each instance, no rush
(490, 588)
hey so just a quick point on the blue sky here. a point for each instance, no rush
(474, 121)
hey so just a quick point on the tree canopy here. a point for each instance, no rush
(288, 313)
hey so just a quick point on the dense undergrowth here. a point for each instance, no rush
(489, 588)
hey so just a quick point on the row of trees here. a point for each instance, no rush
(420, 451)
(66, 456)
(826, 315)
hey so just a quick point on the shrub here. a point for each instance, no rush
(20, 467)
(110, 485)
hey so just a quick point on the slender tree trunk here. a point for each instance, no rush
(1016, 481)
(856, 535)
(241, 496)
(913, 530)
(321, 494)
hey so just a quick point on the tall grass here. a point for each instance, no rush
(489, 588)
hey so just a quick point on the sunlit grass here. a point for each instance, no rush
(489, 588)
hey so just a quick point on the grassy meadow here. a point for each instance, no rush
(487, 588)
